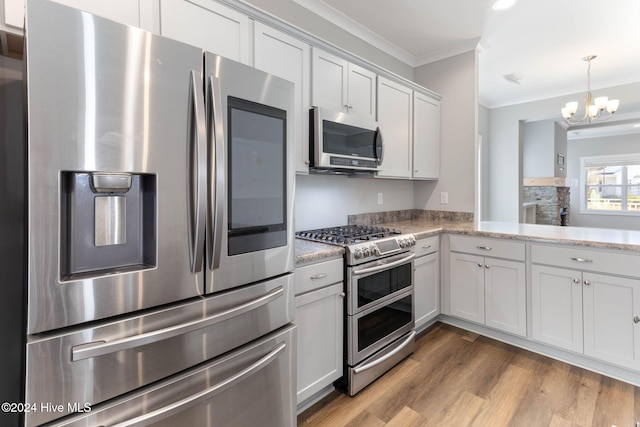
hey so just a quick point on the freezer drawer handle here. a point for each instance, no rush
(389, 355)
(197, 398)
(101, 348)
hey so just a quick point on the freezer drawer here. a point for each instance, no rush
(253, 385)
(95, 364)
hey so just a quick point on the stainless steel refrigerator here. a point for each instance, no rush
(153, 202)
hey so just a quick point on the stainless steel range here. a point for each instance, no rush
(379, 281)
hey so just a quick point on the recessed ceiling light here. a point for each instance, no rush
(502, 4)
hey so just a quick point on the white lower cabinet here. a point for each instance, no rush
(320, 322)
(426, 281)
(589, 313)
(487, 290)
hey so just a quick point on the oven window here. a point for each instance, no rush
(379, 285)
(257, 177)
(384, 321)
(338, 138)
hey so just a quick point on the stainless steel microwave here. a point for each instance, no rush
(343, 142)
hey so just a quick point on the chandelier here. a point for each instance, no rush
(594, 108)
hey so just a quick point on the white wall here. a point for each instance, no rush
(505, 146)
(326, 200)
(537, 149)
(602, 146)
(455, 79)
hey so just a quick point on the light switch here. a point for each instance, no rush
(444, 198)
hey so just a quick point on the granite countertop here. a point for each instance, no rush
(309, 252)
(603, 238)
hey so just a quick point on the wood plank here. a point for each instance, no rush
(455, 378)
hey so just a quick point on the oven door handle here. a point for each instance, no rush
(389, 355)
(384, 266)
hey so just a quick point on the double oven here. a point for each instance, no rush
(379, 280)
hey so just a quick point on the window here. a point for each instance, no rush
(611, 184)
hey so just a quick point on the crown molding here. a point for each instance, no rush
(349, 25)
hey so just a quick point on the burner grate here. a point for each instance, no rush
(347, 234)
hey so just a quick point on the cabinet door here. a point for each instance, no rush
(13, 16)
(505, 296)
(466, 286)
(556, 304)
(610, 305)
(208, 25)
(329, 81)
(426, 137)
(395, 107)
(427, 288)
(319, 317)
(123, 11)
(361, 91)
(284, 56)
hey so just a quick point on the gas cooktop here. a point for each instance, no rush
(348, 234)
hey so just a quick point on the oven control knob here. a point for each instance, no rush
(375, 251)
(412, 241)
(367, 251)
(358, 253)
(403, 243)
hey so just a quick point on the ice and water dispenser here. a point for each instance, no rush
(108, 223)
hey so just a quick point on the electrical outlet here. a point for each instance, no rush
(444, 198)
(379, 198)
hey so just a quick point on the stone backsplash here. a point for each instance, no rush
(549, 202)
(408, 214)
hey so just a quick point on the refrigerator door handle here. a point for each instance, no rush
(197, 172)
(216, 169)
(204, 395)
(101, 348)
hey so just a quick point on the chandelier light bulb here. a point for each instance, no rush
(612, 106)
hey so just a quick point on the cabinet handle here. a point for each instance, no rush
(341, 295)
(307, 162)
(428, 246)
(587, 282)
(636, 319)
(487, 266)
(480, 264)
(319, 276)
(578, 259)
(576, 280)
(484, 248)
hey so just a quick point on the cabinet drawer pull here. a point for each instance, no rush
(484, 248)
(428, 246)
(480, 264)
(587, 282)
(636, 319)
(319, 276)
(578, 259)
(487, 266)
(576, 280)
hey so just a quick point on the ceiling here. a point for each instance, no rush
(537, 44)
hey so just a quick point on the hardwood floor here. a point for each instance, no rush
(457, 378)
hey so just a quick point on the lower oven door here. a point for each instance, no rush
(378, 281)
(251, 386)
(378, 326)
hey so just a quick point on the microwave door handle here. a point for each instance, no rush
(216, 170)
(208, 393)
(197, 172)
(379, 146)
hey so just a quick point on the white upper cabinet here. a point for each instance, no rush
(123, 11)
(426, 137)
(209, 25)
(395, 116)
(340, 85)
(284, 56)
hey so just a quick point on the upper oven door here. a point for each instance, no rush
(378, 281)
(342, 140)
(251, 174)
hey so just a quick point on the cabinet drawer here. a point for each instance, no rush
(316, 276)
(585, 259)
(488, 247)
(427, 246)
